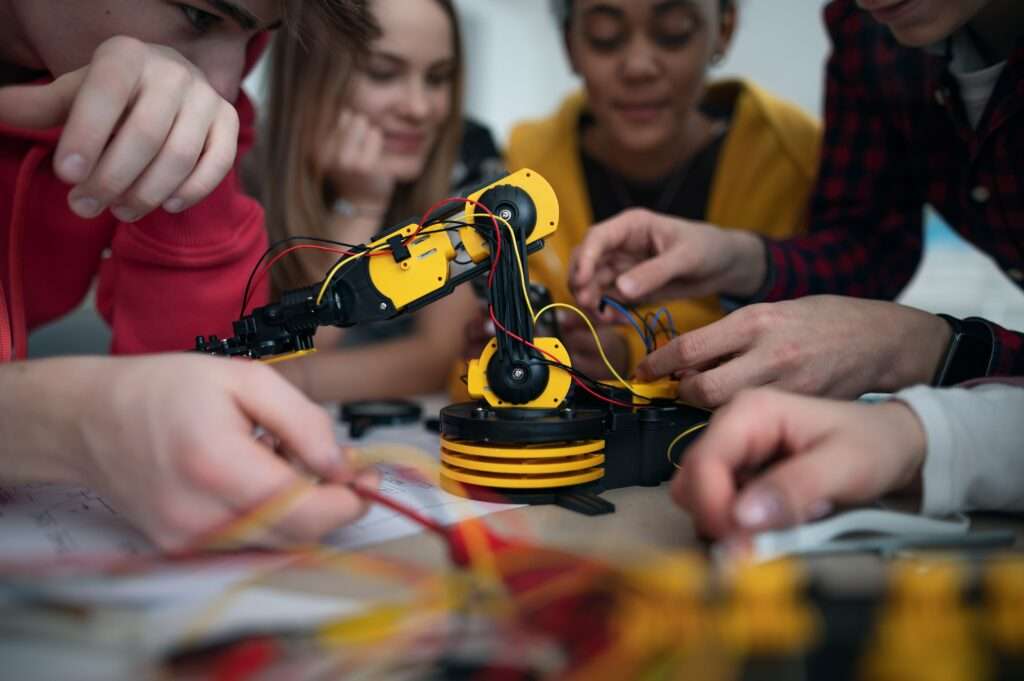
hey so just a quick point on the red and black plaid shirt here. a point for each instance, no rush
(897, 138)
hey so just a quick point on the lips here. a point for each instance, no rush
(642, 111)
(405, 142)
(888, 12)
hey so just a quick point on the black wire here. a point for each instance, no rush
(659, 325)
(271, 249)
(597, 385)
(363, 247)
(650, 336)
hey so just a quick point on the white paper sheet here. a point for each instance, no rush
(42, 521)
(382, 524)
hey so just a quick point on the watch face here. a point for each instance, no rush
(970, 352)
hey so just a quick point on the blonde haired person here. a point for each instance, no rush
(648, 131)
(356, 147)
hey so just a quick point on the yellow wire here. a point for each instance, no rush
(519, 260)
(593, 331)
(259, 518)
(672, 445)
(334, 270)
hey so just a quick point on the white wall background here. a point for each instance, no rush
(517, 68)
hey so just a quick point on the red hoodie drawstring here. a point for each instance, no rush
(13, 334)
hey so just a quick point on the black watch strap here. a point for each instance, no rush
(971, 351)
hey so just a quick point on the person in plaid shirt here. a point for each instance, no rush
(924, 105)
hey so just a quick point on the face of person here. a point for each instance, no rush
(643, 63)
(405, 86)
(61, 35)
(918, 23)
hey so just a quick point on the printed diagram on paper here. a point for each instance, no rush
(42, 520)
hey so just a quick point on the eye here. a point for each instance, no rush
(202, 22)
(380, 75)
(605, 44)
(676, 27)
(382, 68)
(441, 77)
(604, 33)
(673, 40)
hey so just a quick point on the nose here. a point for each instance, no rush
(639, 60)
(223, 65)
(415, 102)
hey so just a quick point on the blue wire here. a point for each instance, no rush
(618, 307)
(668, 317)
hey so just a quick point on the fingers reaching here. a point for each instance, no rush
(771, 459)
(142, 128)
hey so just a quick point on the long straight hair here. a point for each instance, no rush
(307, 88)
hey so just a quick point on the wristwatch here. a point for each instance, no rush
(970, 354)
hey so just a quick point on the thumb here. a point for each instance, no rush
(649, 276)
(40, 106)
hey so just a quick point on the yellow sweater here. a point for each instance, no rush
(762, 181)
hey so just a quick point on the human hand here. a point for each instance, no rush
(771, 459)
(351, 160)
(169, 441)
(142, 129)
(820, 345)
(584, 353)
(640, 255)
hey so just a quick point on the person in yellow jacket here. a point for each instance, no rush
(649, 131)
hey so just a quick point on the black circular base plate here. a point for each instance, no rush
(478, 422)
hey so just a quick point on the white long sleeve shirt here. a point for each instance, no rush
(975, 447)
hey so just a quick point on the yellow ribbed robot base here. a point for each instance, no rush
(519, 467)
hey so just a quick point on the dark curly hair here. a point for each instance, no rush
(563, 9)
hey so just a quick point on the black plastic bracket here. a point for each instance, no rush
(398, 248)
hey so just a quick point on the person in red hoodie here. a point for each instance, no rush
(119, 126)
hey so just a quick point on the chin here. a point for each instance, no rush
(640, 141)
(919, 36)
(925, 31)
(405, 170)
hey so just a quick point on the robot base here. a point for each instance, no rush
(563, 456)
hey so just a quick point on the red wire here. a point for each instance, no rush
(263, 273)
(410, 513)
(575, 380)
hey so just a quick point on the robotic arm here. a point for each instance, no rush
(400, 271)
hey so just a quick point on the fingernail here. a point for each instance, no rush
(86, 207)
(174, 205)
(627, 286)
(761, 508)
(734, 549)
(124, 213)
(72, 168)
